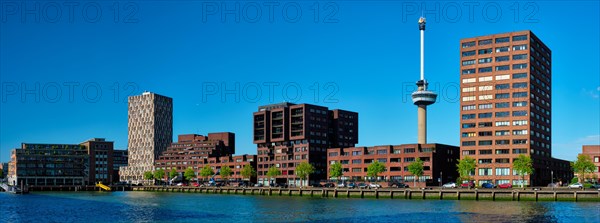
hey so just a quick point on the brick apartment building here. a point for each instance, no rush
(506, 106)
(439, 161)
(287, 134)
(100, 154)
(593, 151)
(119, 160)
(196, 151)
(43, 164)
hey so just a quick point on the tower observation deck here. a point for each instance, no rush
(422, 97)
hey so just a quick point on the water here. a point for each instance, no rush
(183, 207)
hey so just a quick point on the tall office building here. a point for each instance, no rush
(100, 154)
(506, 106)
(287, 134)
(150, 133)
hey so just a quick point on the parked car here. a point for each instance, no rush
(329, 185)
(505, 185)
(374, 186)
(182, 184)
(488, 185)
(596, 185)
(258, 185)
(449, 185)
(195, 184)
(351, 185)
(554, 185)
(341, 185)
(399, 185)
(469, 184)
(362, 186)
(576, 186)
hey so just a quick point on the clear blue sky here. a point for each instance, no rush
(365, 53)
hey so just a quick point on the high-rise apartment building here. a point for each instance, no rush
(150, 133)
(506, 106)
(287, 134)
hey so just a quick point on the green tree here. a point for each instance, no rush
(583, 166)
(336, 170)
(159, 174)
(416, 169)
(273, 172)
(303, 170)
(375, 168)
(189, 174)
(173, 173)
(523, 166)
(248, 172)
(225, 173)
(148, 175)
(206, 172)
(465, 167)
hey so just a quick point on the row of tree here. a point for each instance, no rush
(522, 165)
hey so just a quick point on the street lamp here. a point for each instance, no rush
(441, 178)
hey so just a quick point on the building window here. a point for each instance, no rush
(468, 116)
(520, 47)
(409, 159)
(519, 132)
(485, 171)
(485, 152)
(468, 143)
(485, 69)
(503, 151)
(502, 105)
(468, 107)
(502, 114)
(503, 123)
(501, 68)
(519, 75)
(519, 66)
(485, 124)
(484, 79)
(356, 161)
(468, 98)
(519, 113)
(485, 106)
(519, 141)
(502, 40)
(519, 94)
(468, 53)
(519, 57)
(485, 115)
(469, 80)
(502, 86)
(502, 49)
(502, 96)
(468, 71)
(468, 44)
(468, 125)
(520, 122)
(485, 97)
(519, 38)
(502, 58)
(502, 171)
(468, 134)
(486, 133)
(520, 85)
(484, 51)
(485, 42)
(356, 153)
(502, 133)
(468, 152)
(409, 150)
(502, 142)
(468, 62)
(520, 104)
(485, 160)
(519, 151)
(484, 60)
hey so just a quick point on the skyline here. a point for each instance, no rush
(320, 52)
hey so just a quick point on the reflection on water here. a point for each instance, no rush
(181, 207)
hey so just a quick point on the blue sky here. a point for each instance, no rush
(355, 55)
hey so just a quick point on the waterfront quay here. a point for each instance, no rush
(516, 194)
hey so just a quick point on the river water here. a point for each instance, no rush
(182, 207)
